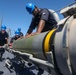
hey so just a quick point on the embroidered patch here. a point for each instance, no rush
(43, 13)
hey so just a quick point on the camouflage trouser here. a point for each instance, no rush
(2, 50)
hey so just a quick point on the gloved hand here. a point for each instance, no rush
(5, 46)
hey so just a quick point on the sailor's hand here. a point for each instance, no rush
(10, 45)
(5, 46)
(0, 46)
(32, 34)
(27, 36)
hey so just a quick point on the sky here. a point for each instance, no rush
(15, 15)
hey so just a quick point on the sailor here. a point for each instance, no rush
(42, 19)
(17, 36)
(21, 34)
(3, 40)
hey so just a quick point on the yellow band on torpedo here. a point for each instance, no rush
(47, 39)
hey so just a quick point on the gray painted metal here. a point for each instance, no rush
(72, 44)
(61, 48)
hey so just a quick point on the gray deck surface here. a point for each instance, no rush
(26, 71)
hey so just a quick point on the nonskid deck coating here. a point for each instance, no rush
(26, 71)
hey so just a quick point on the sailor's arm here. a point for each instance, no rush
(39, 29)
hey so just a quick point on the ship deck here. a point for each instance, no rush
(16, 71)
